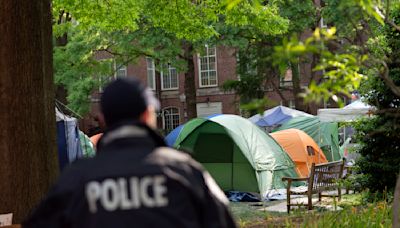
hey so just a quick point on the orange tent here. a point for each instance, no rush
(301, 148)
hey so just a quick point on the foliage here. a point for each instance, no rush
(378, 136)
(103, 35)
(373, 215)
(341, 70)
(356, 213)
(255, 60)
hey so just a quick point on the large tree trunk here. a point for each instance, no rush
(190, 83)
(28, 156)
(158, 93)
(60, 90)
(298, 101)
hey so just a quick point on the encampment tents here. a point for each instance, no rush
(324, 134)
(301, 148)
(237, 154)
(275, 116)
(350, 112)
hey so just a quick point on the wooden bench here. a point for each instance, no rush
(322, 177)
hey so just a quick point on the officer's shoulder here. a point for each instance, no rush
(169, 155)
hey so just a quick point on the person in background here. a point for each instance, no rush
(134, 180)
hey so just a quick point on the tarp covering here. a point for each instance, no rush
(302, 149)
(86, 145)
(274, 116)
(68, 142)
(350, 112)
(239, 155)
(324, 134)
(171, 137)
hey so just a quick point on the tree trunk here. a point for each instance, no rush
(190, 83)
(28, 156)
(298, 101)
(60, 90)
(158, 92)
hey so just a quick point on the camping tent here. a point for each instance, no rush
(348, 113)
(171, 137)
(302, 149)
(324, 134)
(237, 154)
(274, 116)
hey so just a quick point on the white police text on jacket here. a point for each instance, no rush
(127, 193)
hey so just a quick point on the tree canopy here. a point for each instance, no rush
(129, 29)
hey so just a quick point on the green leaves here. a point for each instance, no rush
(263, 19)
(372, 8)
(341, 71)
(103, 32)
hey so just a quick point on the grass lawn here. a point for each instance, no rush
(355, 213)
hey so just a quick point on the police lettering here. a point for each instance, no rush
(126, 194)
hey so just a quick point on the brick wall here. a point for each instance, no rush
(226, 69)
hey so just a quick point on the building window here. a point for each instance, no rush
(169, 78)
(286, 79)
(208, 68)
(322, 23)
(170, 119)
(292, 104)
(289, 103)
(120, 71)
(151, 74)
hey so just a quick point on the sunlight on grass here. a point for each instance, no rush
(355, 213)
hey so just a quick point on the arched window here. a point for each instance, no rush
(170, 118)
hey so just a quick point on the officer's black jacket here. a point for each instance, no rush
(126, 151)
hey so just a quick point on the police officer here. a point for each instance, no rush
(134, 180)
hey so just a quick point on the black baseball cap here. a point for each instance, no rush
(126, 99)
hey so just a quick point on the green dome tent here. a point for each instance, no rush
(238, 154)
(325, 134)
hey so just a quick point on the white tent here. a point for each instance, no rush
(349, 113)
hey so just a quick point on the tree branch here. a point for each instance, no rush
(387, 19)
(388, 81)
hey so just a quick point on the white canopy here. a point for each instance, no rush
(350, 112)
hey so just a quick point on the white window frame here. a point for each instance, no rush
(286, 83)
(165, 113)
(119, 68)
(113, 65)
(151, 77)
(207, 56)
(322, 23)
(169, 68)
(292, 104)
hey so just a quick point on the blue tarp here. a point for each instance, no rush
(236, 196)
(69, 146)
(173, 135)
(276, 116)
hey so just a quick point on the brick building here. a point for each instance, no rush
(212, 69)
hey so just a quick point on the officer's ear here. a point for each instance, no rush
(149, 117)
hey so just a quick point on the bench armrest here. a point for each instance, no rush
(295, 178)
